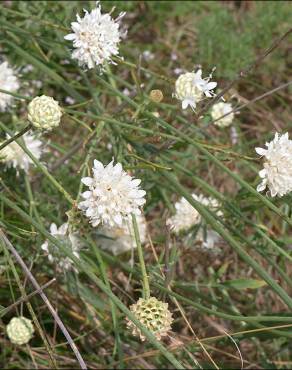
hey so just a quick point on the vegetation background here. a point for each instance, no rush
(226, 305)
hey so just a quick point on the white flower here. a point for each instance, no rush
(44, 112)
(148, 55)
(13, 155)
(113, 195)
(219, 110)
(190, 88)
(20, 330)
(277, 172)
(121, 239)
(9, 82)
(207, 240)
(68, 239)
(95, 37)
(187, 216)
(69, 100)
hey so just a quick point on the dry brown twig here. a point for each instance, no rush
(27, 297)
(45, 299)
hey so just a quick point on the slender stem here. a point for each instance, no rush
(242, 74)
(88, 271)
(29, 306)
(42, 168)
(113, 307)
(13, 138)
(207, 215)
(146, 287)
(26, 298)
(45, 299)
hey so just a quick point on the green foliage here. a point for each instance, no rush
(244, 289)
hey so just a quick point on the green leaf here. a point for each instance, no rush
(245, 283)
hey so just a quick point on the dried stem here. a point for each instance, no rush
(26, 298)
(268, 93)
(244, 73)
(45, 299)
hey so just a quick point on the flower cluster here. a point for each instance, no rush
(206, 240)
(8, 82)
(44, 112)
(20, 330)
(154, 315)
(14, 156)
(187, 216)
(190, 88)
(277, 172)
(95, 38)
(112, 197)
(122, 239)
(69, 240)
(219, 110)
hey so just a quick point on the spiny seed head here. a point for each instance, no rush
(20, 330)
(156, 96)
(44, 113)
(153, 314)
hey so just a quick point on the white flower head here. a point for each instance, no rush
(9, 82)
(13, 155)
(122, 239)
(219, 110)
(190, 88)
(207, 240)
(277, 172)
(20, 330)
(68, 239)
(44, 112)
(95, 38)
(113, 195)
(187, 216)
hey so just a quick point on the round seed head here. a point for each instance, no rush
(20, 330)
(44, 113)
(153, 314)
(156, 96)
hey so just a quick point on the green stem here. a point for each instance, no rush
(146, 287)
(38, 164)
(88, 271)
(113, 307)
(233, 243)
(13, 138)
(200, 147)
(29, 306)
